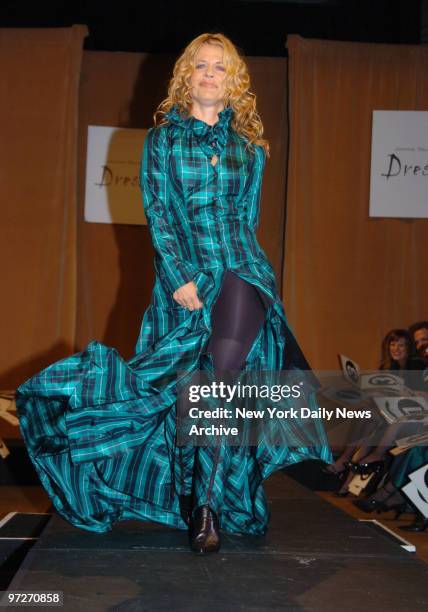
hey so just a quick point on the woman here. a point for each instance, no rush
(396, 357)
(101, 431)
(397, 354)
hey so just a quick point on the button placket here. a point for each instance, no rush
(216, 200)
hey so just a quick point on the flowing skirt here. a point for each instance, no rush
(101, 430)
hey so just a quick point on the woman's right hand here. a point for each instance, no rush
(187, 296)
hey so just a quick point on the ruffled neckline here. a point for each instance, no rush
(212, 139)
(198, 126)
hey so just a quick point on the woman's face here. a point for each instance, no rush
(398, 349)
(208, 77)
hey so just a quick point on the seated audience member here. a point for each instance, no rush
(396, 355)
(406, 463)
(419, 335)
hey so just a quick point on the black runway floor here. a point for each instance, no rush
(314, 557)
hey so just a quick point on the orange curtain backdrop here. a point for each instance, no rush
(348, 278)
(40, 71)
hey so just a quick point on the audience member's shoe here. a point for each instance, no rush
(330, 468)
(371, 505)
(391, 501)
(367, 468)
(419, 524)
(204, 530)
(341, 493)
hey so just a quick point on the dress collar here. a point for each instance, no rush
(199, 127)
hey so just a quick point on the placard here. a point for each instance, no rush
(399, 164)
(112, 193)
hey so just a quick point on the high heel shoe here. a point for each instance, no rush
(343, 489)
(372, 505)
(326, 469)
(367, 468)
(338, 474)
(204, 530)
(399, 509)
(419, 524)
(341, 493)
(368, 505)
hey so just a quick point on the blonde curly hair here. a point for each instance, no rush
(246, 120)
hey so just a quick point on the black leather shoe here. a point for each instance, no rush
(384, 505)
(420, 524)
(369, 505)
(204, 530)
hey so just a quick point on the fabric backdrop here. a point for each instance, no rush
(348, 279)
(40, 71)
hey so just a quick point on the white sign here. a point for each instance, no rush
(403, 408)
(417, 489)
(113, 193)
(399, 164)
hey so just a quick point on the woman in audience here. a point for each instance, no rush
(360, 455)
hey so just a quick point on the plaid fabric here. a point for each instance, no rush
(100, 430)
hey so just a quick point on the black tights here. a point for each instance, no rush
(237, 316)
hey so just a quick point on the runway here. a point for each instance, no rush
(314, 557)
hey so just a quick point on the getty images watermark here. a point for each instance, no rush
(293, 407)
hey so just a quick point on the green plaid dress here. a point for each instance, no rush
(101, 430)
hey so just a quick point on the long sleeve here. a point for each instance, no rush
(154, 184)
(255, 187)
